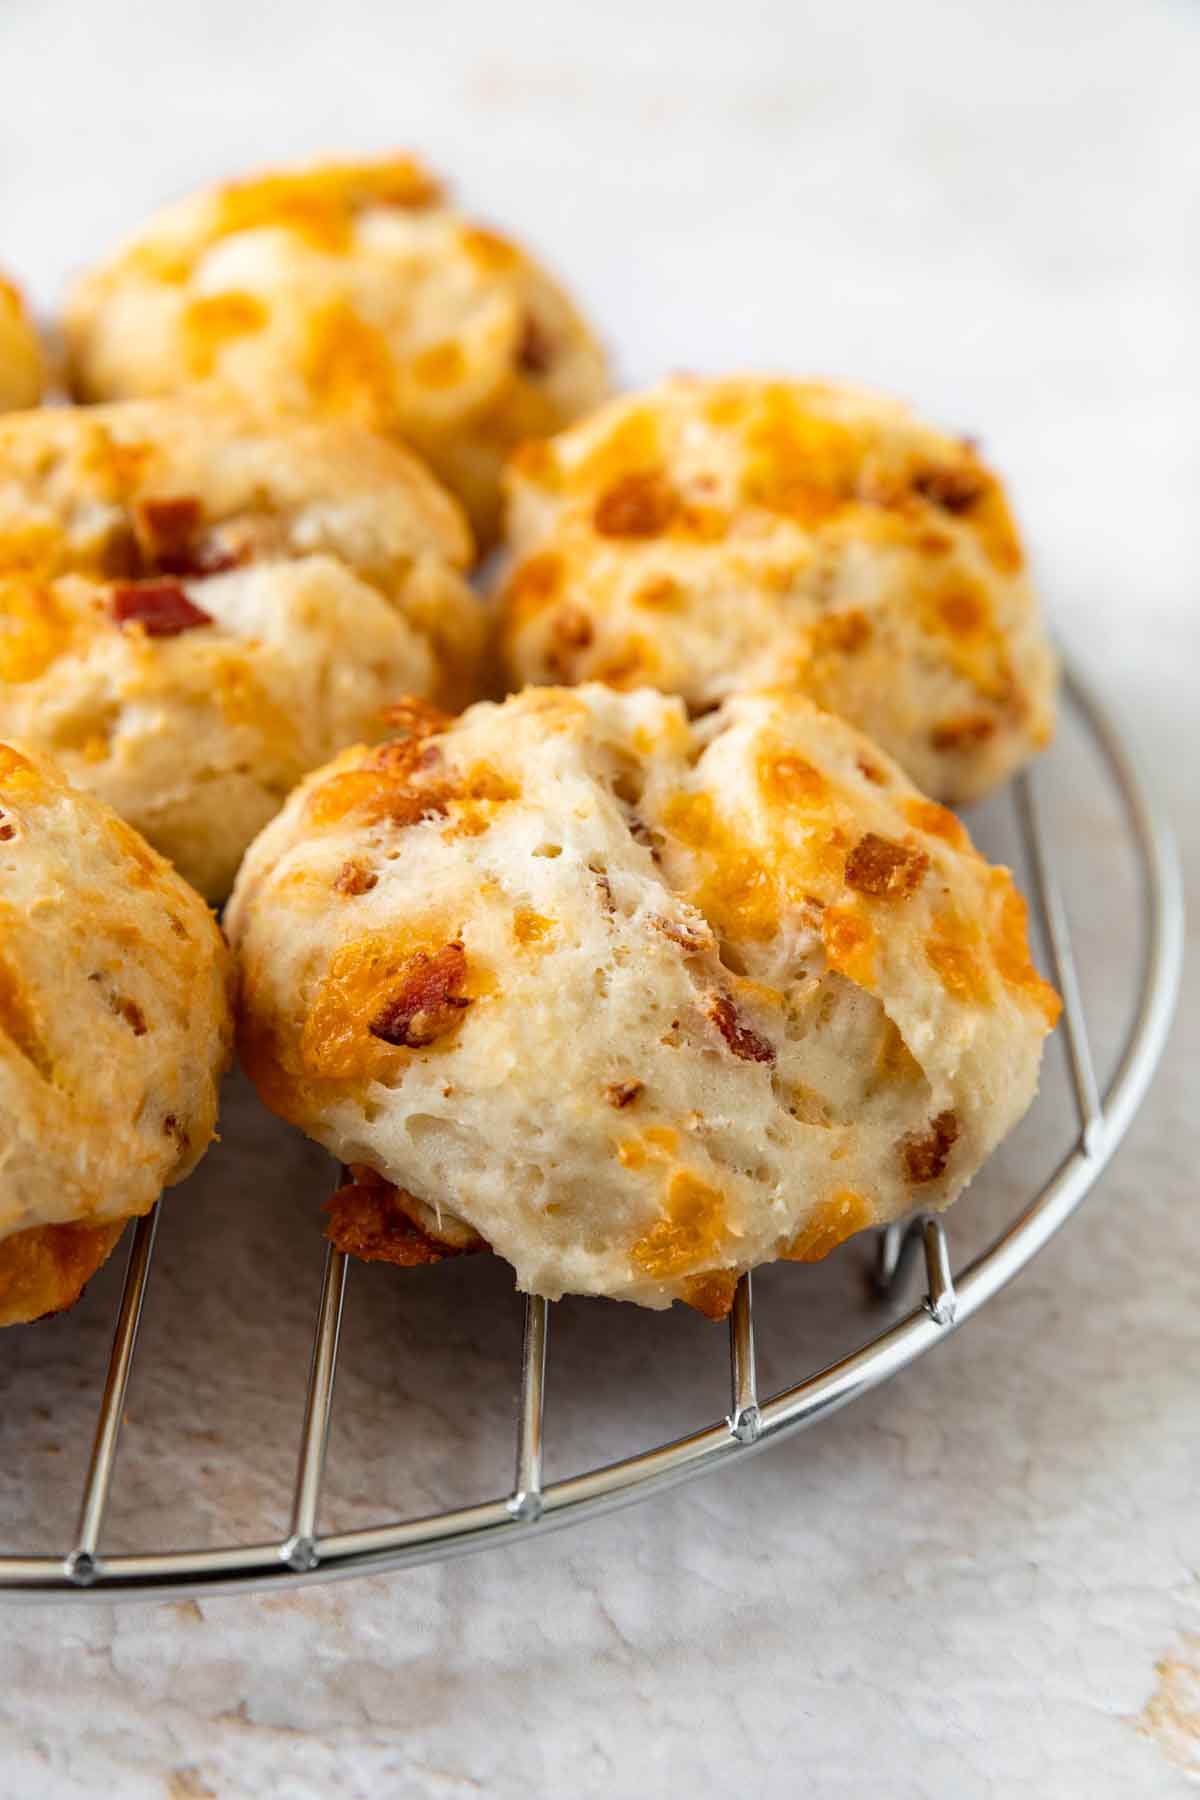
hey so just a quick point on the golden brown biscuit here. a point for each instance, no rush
(710, 535)
(638, 1002)
(195, 611)
(115, 1028)
(22, 365)
(349, 291)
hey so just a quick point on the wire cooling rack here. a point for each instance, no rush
(305, 1554)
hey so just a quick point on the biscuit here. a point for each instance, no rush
(194, 611)
(22, 365)
(638, 1002)
(115, 1028)
(350, 291)
(711, 535)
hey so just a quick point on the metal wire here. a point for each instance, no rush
(305, 1556)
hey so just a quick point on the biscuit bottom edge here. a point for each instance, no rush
(44, 1270)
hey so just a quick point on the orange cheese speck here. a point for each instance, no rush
(215, 320)
(245, 701)
(660, 592)
(33, 630)
(632, 444)
(829, 1225)
(533, 585)
(938, 821)
(956, 950)
(16, 770)
(374, 794)
(318, 205)
(689, 1232)
(530, 927)
(849, 944)
(348, 367)
(798, 463)
(712, 1293)
(488, 250)
(337, 1044)
(439, 365)
(791, 780)
(1010, 948)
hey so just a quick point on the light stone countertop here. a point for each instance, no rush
(982, 1580)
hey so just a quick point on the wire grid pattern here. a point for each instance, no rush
(305, 1555)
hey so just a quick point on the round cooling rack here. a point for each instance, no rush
(1087, 1135)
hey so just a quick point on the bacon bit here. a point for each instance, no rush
(924, 1154)
(884, 869)
(131, 1012)
(742, 1040)
(161, 608)
(639, 505)
(367, 1219)
(165, 531)
(960, 733)
(685, 936)
(954, 489)
(535, 349)
(378, 787)
(624, 1093)
(354, 878)
(428, 1002)
(641, 833)
(600, 876)
(165, 526)
(176, 1132)
(8, 831)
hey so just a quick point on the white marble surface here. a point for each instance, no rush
(981, 1581)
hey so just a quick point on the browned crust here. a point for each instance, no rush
(45, 1270)
(367, 1219)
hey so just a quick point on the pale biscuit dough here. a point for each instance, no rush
(713, 535)
(195, 611)
(115, 1028)
(344, 290)
(639, 1003)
